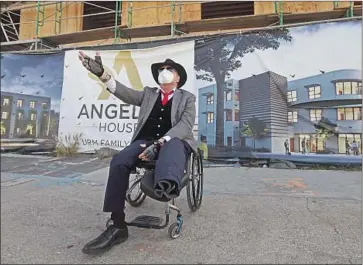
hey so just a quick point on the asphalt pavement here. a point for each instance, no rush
(51, 207)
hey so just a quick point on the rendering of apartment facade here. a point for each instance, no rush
(289, 110)
(24, 115)
(261, 96)
(207, 109)
(336, 96)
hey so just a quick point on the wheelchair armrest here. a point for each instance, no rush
(146, 164)
(198, 153)
(151, 164)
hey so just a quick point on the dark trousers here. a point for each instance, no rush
(173, 154)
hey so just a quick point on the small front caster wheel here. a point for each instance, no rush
(174, 231)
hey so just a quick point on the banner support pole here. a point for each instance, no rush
(180, 11)
(117, 32)
(350, 11)
(172, 9)
(58, 18)
(173, 29)
(281, 13)
(38, 23)
(279, 9)
(129, 14)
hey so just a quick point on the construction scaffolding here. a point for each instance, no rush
(13, 42)
(127, 31)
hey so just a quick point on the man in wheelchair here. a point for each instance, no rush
(165, 124)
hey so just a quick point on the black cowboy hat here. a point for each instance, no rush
(180, 69)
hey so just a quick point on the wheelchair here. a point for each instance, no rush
(143, 185)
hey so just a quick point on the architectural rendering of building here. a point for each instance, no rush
(207, 109)
(289, 110)
(24, 115)
(263, 97)
(336, 96)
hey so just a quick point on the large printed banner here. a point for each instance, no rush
(101, 119)
(292, 91)
(31, 87)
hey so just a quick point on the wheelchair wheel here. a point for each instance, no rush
(195, 183)
(134, 196)
(174, 231)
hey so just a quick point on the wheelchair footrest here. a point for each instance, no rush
(146, 221)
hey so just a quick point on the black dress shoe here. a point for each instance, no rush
(112, 236)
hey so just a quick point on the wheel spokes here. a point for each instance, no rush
(136, 184)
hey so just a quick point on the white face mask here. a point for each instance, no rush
(165, 77)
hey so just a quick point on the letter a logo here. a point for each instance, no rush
(122, 59)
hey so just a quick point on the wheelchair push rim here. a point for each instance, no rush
(134, 196)
(195, 183)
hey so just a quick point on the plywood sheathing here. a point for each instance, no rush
(150, 33)
(298, 6)
(71, 10)
(158, 13)
(104, 36)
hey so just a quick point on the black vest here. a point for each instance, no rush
(158, 122)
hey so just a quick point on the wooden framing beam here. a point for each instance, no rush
(207, 25)
(242, 23)
(19, 6)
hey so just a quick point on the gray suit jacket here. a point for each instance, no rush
(182, 110)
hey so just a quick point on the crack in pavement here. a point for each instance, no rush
(335, 229)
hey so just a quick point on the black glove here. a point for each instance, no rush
(93, 65)
(151, 151)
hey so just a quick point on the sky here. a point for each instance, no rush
(32, 68)
(328, 46)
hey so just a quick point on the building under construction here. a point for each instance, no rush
(28, 26)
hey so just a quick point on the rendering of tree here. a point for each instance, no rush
(325, 129)
(255, 129)
(217, 58)
(53, 127)
(53, 124)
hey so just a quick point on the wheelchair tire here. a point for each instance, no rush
(195, 192)
(136, 202)
(173, 231)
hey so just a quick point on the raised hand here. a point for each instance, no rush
(93, 65)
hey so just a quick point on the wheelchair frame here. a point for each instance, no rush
(194, 167)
